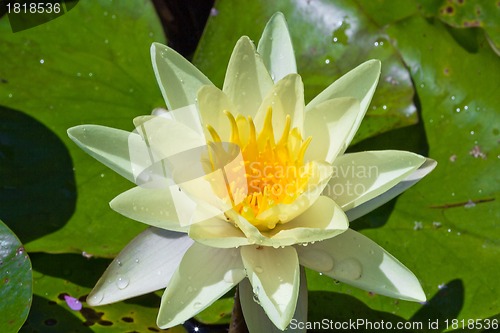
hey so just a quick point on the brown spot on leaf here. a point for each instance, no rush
(61, 296)
(472, 24)
(91, 316)
(154, 329)
(105, 322)
(128, 319)
(20, 250)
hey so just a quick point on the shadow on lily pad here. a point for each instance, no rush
(445, 305)
(336, 309)
(70, 267)
(332, 309)
(37, 187)
(47, 316)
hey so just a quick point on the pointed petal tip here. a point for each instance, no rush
(375, 63)
(278, 16)
(94, 298)
(245, 40)
(417, 295)
(74, 131)
(152, 51)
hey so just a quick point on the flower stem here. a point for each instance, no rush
(237, 324)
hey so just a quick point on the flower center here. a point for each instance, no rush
(274, 171)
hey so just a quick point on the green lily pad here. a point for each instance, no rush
(90, 65)
(57, 276)
(445, 229)
(329, 38)
(459, 95)
(470, 13)
(15, 281)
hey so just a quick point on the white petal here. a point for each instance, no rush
(146, 264)
(212, 103)
(204, 275)
(323, 220)
(356, 260)
(167, 137)
(188, 116)
(275, 277)
(359, 83)
(285, 98)
(247, 80)
(257, 320)
(108, 145)
(153, 206)
(275, 47)
(178, 79)
(330, 123)
(359, 177)
(219, 233)
(402, 186)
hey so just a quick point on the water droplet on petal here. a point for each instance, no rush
(258, 269)
(97, 298)
(122, 282)
(318, 260)
(197, 305)
(256, 295)
(348, 269)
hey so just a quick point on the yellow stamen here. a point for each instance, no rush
(274, 171)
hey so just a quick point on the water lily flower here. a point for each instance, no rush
(247, 185)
